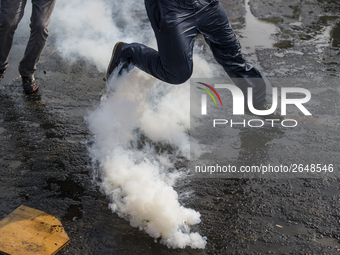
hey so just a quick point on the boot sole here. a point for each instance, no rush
(34, 90)
(118, 47)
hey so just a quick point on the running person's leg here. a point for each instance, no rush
(172, 62)
(12, 12)
(40, 19)
(214, 25)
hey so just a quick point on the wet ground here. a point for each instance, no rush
(45, 164)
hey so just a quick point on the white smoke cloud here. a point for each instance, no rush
(89, 29)
(140, 181)
(130, 123)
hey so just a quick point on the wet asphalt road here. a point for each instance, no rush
(45, 165)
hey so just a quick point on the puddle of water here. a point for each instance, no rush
(290, 230)
(271, 248)
(50, 135)
(14, 164)
(293, 230)
(73, 213)
(326, 32)
(331, 192)
(254, 139)
(335, 35)
(66, 189)
(11, 118)
(286, 142)
(34, 98)
(47, 126)
(329, 242)
(284, 44)
(257, 32)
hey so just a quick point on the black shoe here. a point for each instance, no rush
(273, 116)
(113, 62)
(29, 84)
(2, 72)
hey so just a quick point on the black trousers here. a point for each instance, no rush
(176, 23)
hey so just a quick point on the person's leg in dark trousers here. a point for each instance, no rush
(214, 25)
(40, 19)
(12, 12)
(172, 62)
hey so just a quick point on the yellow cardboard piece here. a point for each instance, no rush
(29, 231)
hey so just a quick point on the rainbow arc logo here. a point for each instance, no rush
(209, 93)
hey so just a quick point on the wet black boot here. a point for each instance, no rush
(113, 62)
(29, 84)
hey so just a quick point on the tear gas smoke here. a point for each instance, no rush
(130, 124)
